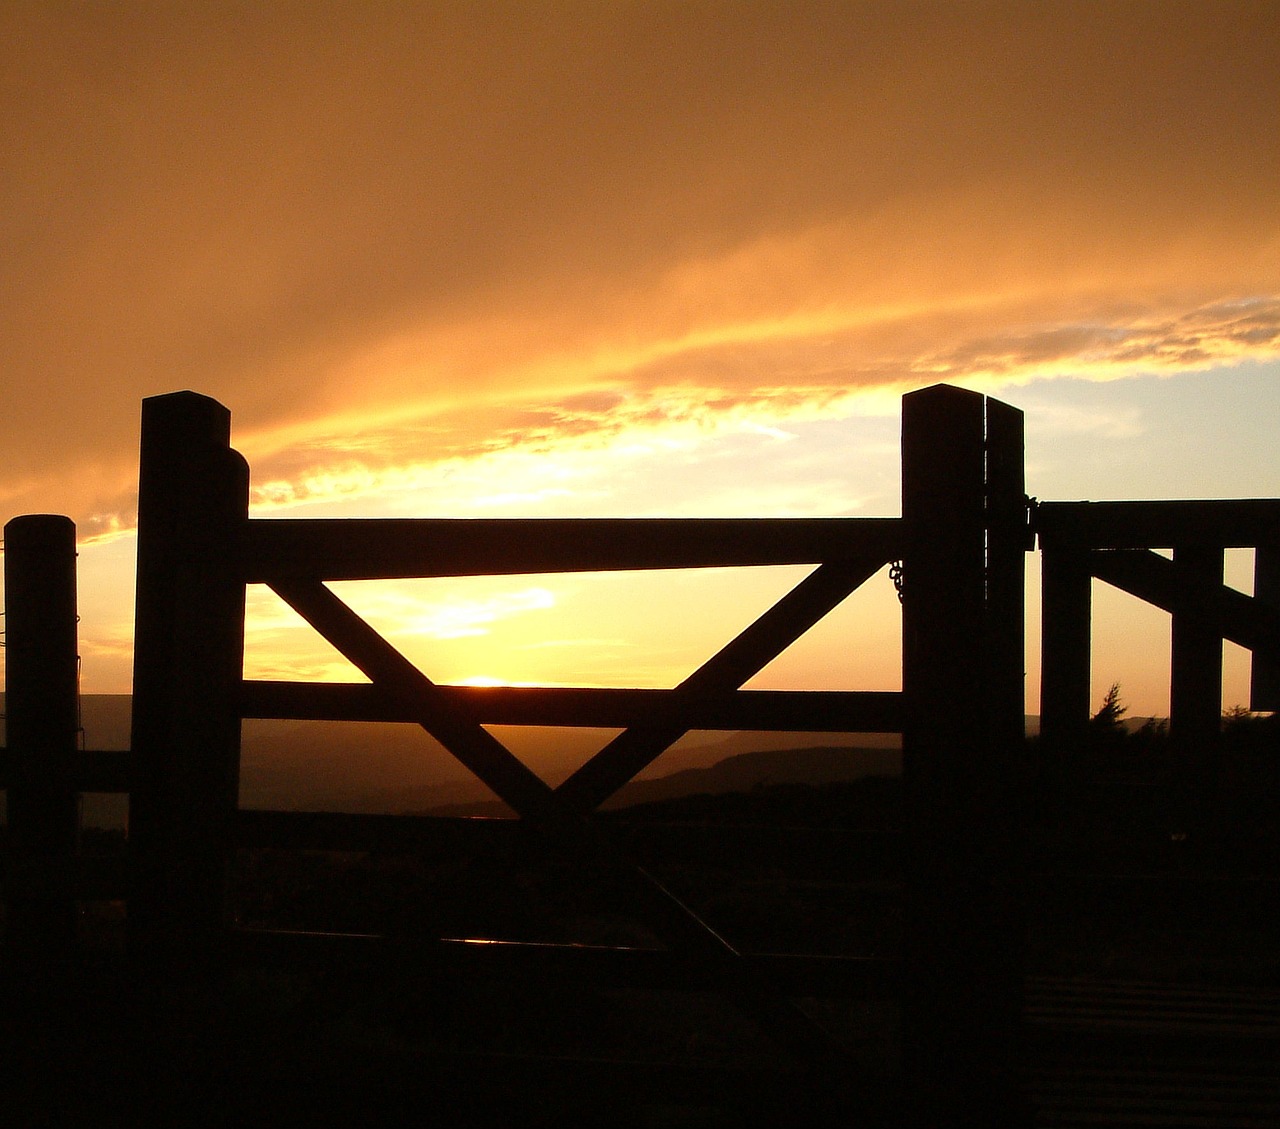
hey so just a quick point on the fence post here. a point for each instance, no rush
(188, 657)
(1195, 690)
(962, 680)
(1066, 613)
(1264, 680)
(42, 731)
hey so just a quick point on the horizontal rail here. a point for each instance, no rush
(82, 877)
(871, 860)
(372, 549)
(93, 770)
(831, 853)
(867, 978)
(812, 711)
(1229, 524)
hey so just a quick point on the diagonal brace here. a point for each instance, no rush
(758, 645)
(531, 797)
(1242, 619)
(386, 667)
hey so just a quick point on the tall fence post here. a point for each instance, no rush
(1066, 647)
(1195, 691)
(188, 658)
(1195, 660)
(1264, 676)
(42, 733)
(962, 681)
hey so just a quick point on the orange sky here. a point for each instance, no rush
(583, 258)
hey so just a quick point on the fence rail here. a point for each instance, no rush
(1229, 524)
(813, 711)
(400, 548)
(1115, 542)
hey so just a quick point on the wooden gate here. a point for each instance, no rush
(1116, 542)
(959, 544)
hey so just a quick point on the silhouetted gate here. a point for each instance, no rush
(1116, 542)
(960, 541)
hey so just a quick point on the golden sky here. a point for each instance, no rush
(540, 258)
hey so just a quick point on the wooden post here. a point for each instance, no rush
(1195, 674)
(42, 733)
(1008, 541)
(1066, 612)
(962, 643)
(188, 660)
(1002, 811)
(1195, 692)
(1264, 681)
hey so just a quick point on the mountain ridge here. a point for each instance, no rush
(387, 767)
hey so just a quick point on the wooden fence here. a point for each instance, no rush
(960, 543)
(1117, 542)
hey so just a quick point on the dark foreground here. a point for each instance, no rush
(1152, 992)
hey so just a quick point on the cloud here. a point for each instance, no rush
(467, 459)
(1215, 335)
(394, 238)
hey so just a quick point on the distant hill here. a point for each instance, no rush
(740, 772)
(338, 766)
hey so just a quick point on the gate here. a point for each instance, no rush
(959, 544)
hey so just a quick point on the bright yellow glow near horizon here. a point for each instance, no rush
(653, 629)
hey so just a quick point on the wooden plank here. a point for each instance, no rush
(42, 721)
(829, 853)
(814, 711)
(1066, 647)
(1264, 679)
(188, 662)
(1008, 541)
(104, 770)
(957, 1029)
(91, 770)
(68, 879)
(1000, 820)
(365, 549)
(717, 678)
(1195, 675)
(1231, 523)
(1231, 614)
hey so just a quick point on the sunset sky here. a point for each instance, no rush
(633, 259)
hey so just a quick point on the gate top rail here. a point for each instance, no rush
(1241, 523)
(404, 548)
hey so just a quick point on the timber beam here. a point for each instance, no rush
(1157, 580)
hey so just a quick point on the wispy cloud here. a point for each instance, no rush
(559, 450)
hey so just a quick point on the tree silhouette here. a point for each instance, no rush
(1108, 721)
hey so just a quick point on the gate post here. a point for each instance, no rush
(1065, 648)
(188, 659)
(964, 511)
(42, 731)
(1195, 693)
(1264, 679)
